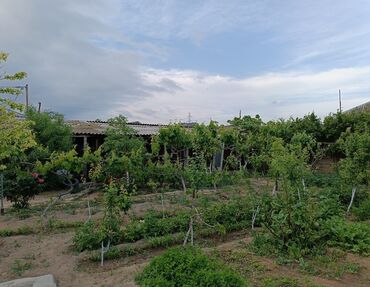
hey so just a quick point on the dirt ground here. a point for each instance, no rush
(51, 251)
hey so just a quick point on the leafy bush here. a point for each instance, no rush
(352, 236)
(362, 212)
(22, 230)
(230, 214)
(187, 267)
(20, 187)
(320, 179)
(87, 237)
(154, 225)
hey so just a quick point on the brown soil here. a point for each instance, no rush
(52, 252)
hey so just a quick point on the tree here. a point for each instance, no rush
(124, 152)
(354, 169)
(50, 130)
(174, 139)
(206, 141)
(15, 135)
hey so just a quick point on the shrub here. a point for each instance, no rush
(87, 237)
(20, 187)
(153, 225)
(187, 267)
(352, 236)
(362, 212)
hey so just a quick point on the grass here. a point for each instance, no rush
(23, 230)
(20, 266)
(333, 264)
(51, 225)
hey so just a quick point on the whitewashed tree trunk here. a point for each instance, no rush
(162, 202)
(104, 249)
(352, 198)
(127, 179)
(88, 206)
(304, 185)
(275, 188)
(183, 184)
(254, 216)
(189, 232)
(192, 232)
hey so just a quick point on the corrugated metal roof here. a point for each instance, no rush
(360, 108)
(99, 127)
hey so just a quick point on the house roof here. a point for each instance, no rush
(99, 127)
(360, 108)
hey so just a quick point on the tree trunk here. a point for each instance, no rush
(183, 184)
(352, 198)
(254, 216)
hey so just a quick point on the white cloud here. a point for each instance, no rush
(270, 95)
(90, 60)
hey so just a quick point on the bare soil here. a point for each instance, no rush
(52, 252)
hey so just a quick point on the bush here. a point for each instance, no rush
(154, 225)
(187, 267)
(320, 179)
(352, 236)
(87, 237)
(20, 187)
(362, 212)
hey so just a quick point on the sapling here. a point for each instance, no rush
(354, 168)
(104, 249)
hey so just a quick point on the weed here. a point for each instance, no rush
(19, 267)
(22, 230)
(188, 267)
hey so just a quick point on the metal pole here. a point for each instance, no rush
(340, 101)
(26, 87)
(2, 194)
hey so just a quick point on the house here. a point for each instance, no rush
(92, 133)
(361, 108)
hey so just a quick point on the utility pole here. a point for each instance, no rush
(340, 101)
(39, 109)
(26, 88)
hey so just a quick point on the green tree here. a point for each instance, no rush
(50, 130)
(16, 138)
(354, 169)
(175, 140)
(15, 135)
(206, 141)
(124, 153)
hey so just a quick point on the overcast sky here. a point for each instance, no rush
(158, 61)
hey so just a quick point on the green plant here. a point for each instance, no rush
(166, 240)
(187, 267)
(352, 236)
(280, 282)
(87, 237)
(50, 130)
(20, 187)
(19, 267)
(22, 230)
(362, 212)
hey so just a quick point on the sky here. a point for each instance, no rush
(165, 61)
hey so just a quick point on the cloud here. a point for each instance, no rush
(270, 95)
(67, 71)
(95, 60)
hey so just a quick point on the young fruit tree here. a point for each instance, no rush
(15, 135)
(354, 169)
